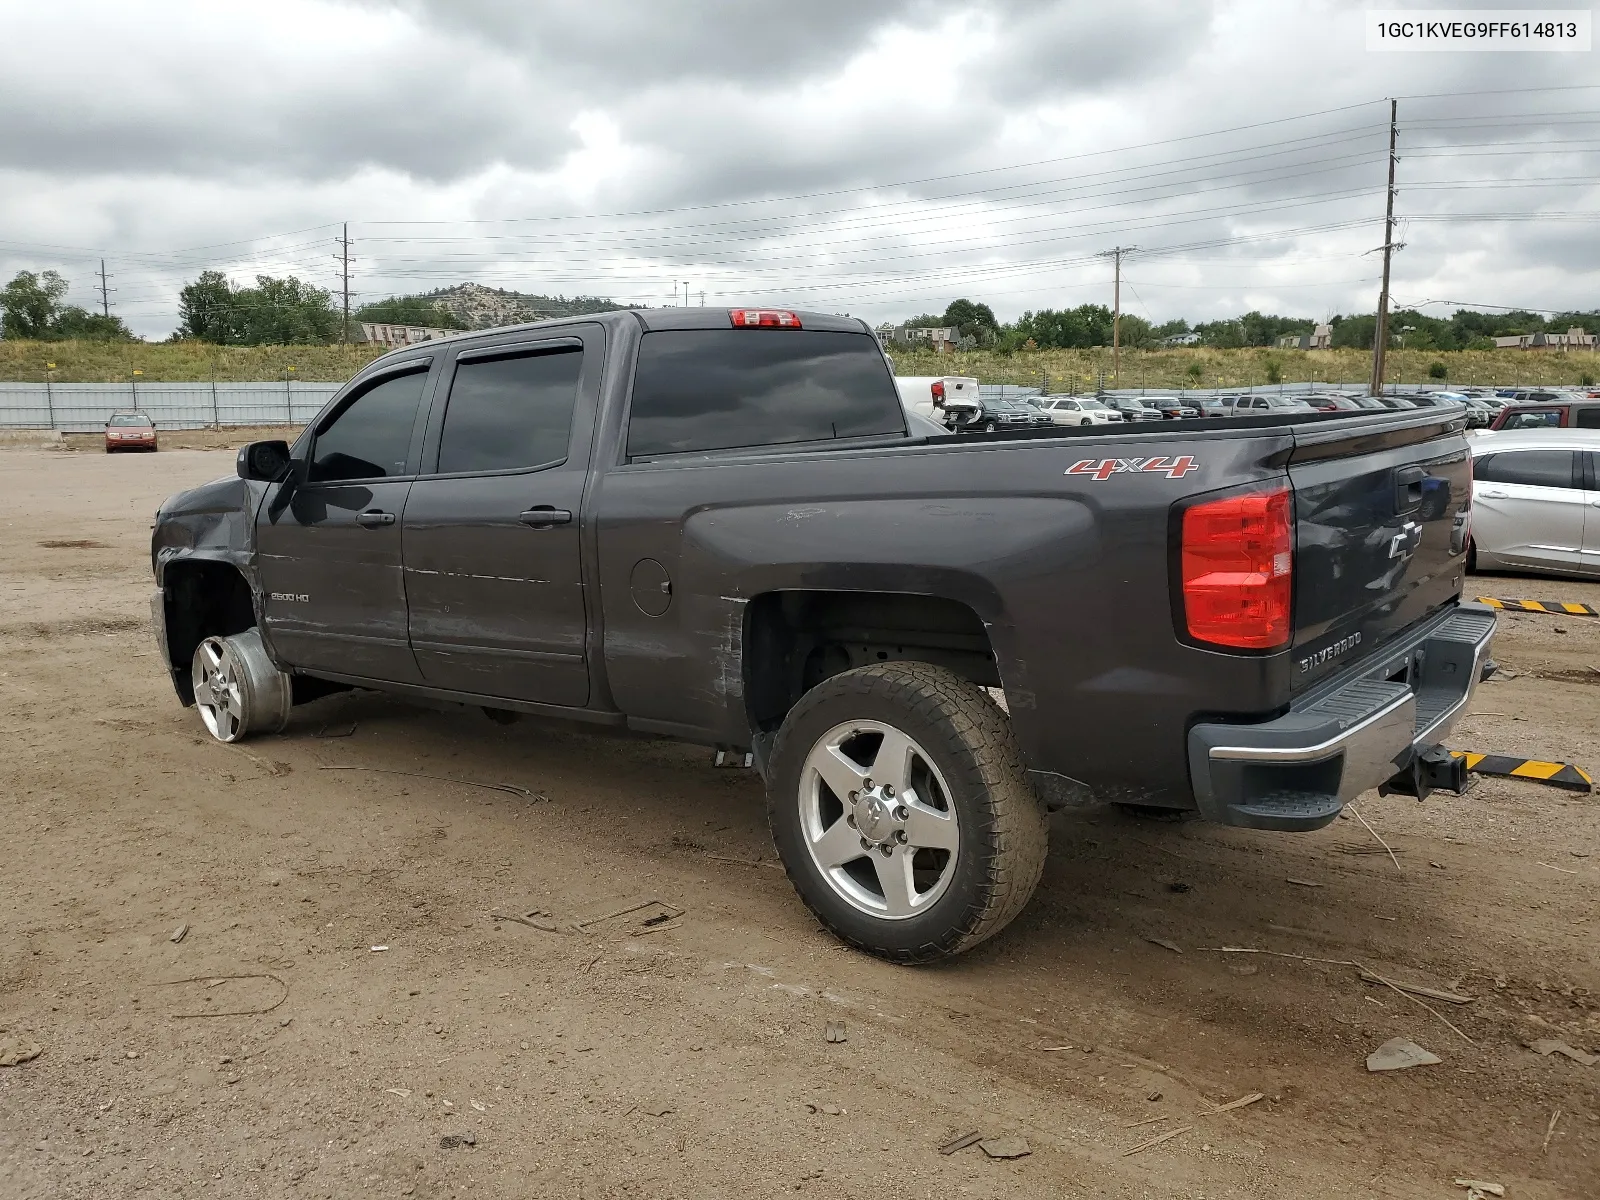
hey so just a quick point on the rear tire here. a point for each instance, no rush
(956, 838)
(988, 426)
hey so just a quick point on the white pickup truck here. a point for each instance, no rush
(935, 396)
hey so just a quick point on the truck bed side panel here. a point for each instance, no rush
(1070, 566)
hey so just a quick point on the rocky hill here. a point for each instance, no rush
(483, 307)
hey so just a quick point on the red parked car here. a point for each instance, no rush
(1561, 414)
(130, 431)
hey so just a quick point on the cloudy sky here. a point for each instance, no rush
(874, 158)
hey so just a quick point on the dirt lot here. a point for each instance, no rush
(688, 1058)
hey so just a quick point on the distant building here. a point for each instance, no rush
(942, 339)
(1182, 339)
(1573, 339)
(401, 335)
(1320, 338)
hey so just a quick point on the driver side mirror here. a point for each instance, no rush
(264, 462)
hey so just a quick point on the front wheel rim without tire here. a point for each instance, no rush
(219, 690)
(877, 818)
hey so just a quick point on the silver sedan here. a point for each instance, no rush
(1536, 501)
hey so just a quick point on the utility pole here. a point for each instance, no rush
(1380, 331)
(1115, 255)
(105, 296)
(344, 253)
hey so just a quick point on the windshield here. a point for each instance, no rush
(1092, 404)
(130, 419)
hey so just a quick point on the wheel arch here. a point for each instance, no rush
(200, 598)
(795, 639)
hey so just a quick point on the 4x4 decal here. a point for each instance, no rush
(1105, 468)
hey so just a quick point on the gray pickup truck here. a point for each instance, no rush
(721, 526)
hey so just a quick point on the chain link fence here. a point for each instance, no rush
(84, 407)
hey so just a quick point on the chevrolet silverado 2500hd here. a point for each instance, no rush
(717, 526)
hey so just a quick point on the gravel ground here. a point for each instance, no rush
(482, 1057)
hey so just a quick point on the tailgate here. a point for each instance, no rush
(1380, 529)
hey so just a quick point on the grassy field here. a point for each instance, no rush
(176, 362)
(1057, 370)
(1172, 370)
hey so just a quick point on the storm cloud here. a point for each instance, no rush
(880, 159)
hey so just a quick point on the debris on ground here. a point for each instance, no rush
(15, 1051)
(1178, 886)
(178, 934)
(377, 949)
(1400, 1054)
(1005, 1147)
(401, 1092)
(656, 1110)
(1165, 944)
(1417, 989)
(451, 1141)
(835, 1032)
(1241, 1102)
(510, 788)
(672, 910)
(1549, 1046)
(335, 731)
(1303, 882)
(822, 1106)
(1550, 1131)
(1477, 1189)
(1153, 1097)
(1158, 1139)
(961, 1143)
(536, 918)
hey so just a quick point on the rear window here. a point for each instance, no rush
(1586, 418)
(125, 419)
(723, 389)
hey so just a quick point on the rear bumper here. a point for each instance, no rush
(1296, 772)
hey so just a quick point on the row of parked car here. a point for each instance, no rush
(959, 404)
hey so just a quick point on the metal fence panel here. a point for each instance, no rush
(84, 407)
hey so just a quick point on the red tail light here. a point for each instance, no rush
(763, 318)
(1238, 570)
(938, 393)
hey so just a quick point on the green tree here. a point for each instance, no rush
(1274, 371)
(73, 322)
(30, 304)
(278, 312)
(206, 310)
(409, 310)
(286, 312)
(1437, 370)
(1225, 335)
(973, 320)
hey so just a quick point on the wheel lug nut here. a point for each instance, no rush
(866, 845)
(901, 836)
(888, 791)
(866, 785)
(850, 820)
(901, 813)
(886, 851)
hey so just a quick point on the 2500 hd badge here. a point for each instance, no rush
(1332, 650)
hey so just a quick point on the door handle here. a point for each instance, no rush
(373, 518)
(1494, 495)
(542, 514)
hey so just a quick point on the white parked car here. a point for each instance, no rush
(1075, 410)
(1536, 501)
